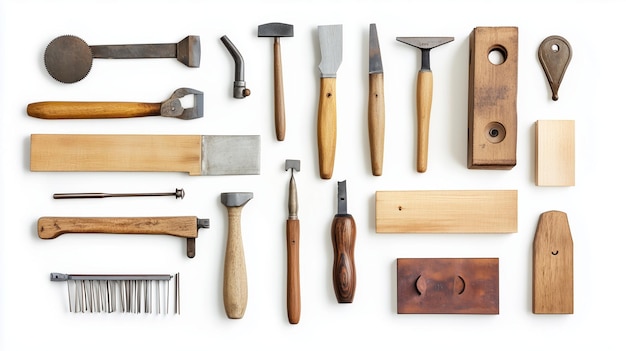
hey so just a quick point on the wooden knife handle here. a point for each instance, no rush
(90, 110)
(376, 122)
(293, 270)
(52, 227)
(424, 102)
(344, 269)
(327, 126)
(235, 275)
(279, 97)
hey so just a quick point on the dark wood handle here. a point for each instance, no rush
(279, 98)
(52, 227)
(376, 122)
(344, 269)
(293, 270)
(91, 110)
(327, 127)
(424, 102)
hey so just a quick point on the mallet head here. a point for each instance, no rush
(235, 199)
(275, 30)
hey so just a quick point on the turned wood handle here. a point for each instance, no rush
(344, 269)
(52, 227)
(327, 127)
(235, 276)
(424, 102)
(279, 97)
(293, 270)
(376, 122)
(82, 110)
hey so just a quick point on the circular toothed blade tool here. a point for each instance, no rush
(68, 59)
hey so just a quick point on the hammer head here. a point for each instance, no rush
(188, 51)
(172, 107)
(275, 29)
(235, 199)
(292, 164)
(424, 43)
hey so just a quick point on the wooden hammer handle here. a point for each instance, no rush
(279, 96)
(424, 103)
(327, 126)
(235, 277)
(293, 271)
(90, 110)
(52, 227)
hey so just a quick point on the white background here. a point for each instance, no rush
(33, 310)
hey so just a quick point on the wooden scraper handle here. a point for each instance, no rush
(327, 126)
(91, 110)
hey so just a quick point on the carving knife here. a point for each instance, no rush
(330, 38)
(343, 235)
(376, 104)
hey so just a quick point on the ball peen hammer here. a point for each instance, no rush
(235, 291)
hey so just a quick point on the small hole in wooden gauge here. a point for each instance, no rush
(555, 252)
(399, 208)
(497, 55)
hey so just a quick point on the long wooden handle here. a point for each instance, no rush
(293, 271)
(52, 227)
(376, 122)
(327, 126)
(235, 275)
(424, 102)
(344, 268)
(279, 96)
(89, 110)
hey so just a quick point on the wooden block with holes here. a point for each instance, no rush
(553, 265)
(492, 101)
(554, 153)
(446, 211)
(448, 285)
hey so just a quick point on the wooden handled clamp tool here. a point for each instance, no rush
(293, 247)
(424, 92)
(184, 227)
(235, 275)
(343, 235)
(171, 107)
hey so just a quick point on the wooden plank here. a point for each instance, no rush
(553, 265)
(492, 101)
(555, 153)
(102, 152)
(446, 211)
(448, 285)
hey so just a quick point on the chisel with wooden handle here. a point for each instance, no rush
(343, 234)
(182, 226)
(293, 247)
(376, 104)
(330, 38)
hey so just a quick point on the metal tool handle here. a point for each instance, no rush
(52, 227)
(376, 122)
(235, 275)
(327, 126)
(90, 110)
(293, 271)
(424, 103)
(344, 269)
(279, 96)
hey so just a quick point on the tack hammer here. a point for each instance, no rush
(424, 92)
(277, 30)
(235, 276)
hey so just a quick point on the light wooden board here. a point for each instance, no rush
(553, 265)
(446, 211)
(555, 154)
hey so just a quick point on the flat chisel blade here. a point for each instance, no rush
(376, 63)
(331, 42)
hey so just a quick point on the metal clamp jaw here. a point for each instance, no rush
(239, 86)
(173, 107)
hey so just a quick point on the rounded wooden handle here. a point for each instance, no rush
(293, 271)
(327, 127)
(424, 102)
(235, 276)
(279, 98)
(89, 110)
(376, 122)
(344, 268)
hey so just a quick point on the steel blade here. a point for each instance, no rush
(376, 63)
(331, 42)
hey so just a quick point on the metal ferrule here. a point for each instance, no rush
(293, 199)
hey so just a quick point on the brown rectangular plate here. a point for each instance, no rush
(448, 285)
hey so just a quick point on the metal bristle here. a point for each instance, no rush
(148, 293)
